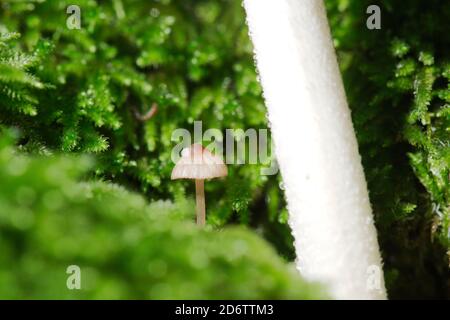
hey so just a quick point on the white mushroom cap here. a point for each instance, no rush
(197, 162)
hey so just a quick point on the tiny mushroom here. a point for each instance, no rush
(199, 164)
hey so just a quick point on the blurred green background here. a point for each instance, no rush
(69, 101)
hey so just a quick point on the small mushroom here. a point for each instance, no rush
(199, 164)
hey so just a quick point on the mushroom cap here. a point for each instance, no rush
(197, 162)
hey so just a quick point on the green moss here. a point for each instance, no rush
(398, 91)
(82, 91)
(124, 247)
(192, 58)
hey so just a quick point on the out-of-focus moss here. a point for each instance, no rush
(78, 91)
(124, 247)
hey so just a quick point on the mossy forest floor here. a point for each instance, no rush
(85, 180)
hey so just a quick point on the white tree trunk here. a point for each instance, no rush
(329, 209)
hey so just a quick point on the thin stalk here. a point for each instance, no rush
(316, 148)
(200, 199)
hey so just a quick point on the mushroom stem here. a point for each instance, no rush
(326, 192)
(200, 199)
